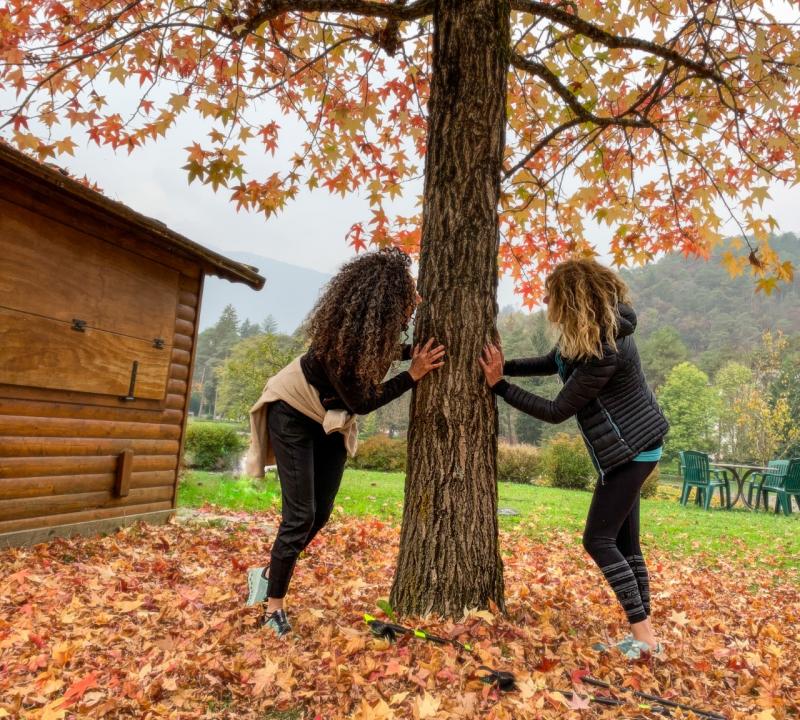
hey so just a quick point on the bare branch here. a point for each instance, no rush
(593, 32)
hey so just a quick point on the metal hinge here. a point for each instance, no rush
(158, 343)
(79, 325)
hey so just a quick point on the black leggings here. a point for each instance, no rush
(611, 537)
(310, 467)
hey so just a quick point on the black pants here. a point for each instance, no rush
(611, 537)
(310, 467)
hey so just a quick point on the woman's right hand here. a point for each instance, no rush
(425, 359)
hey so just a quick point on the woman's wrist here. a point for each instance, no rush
(500, 387)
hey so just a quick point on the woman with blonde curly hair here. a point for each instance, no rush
(306, 415)
(622, 425)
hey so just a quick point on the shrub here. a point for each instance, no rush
(213, 446)
(566, 463)
(517, 463)
(650, 487)
(380, 453)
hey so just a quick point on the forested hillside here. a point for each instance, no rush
(716, 316)
(690, 311)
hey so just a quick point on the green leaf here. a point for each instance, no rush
(387, 609)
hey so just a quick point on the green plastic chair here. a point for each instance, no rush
(698, 474)
(789, 488)
(771, 479)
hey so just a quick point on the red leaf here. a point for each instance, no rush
(76, 690)
(546, 664)
(578, 674)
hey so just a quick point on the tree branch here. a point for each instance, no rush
(593, 32)
(544, 142)
(585, 115)
(397, 10)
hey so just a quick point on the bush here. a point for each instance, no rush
(566, 463)
(650, 487)
(517, 463)
(213, 446)
(380, 453)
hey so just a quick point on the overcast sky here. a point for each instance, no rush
(310, 232)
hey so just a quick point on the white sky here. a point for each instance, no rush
(311, 231)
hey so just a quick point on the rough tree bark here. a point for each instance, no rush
(449, 557)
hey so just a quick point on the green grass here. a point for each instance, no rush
(738, 534)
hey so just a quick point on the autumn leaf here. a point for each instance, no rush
(426, 707)
(264, 678)
(577, 702)
(185, 658)
(76, 690)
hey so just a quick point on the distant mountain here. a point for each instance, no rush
(288, 296)
(710, 309)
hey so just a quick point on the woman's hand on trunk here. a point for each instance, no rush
(426, 358)
(491, 362)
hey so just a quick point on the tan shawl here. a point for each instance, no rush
(291, 386)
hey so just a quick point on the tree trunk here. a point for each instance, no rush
(449, 557)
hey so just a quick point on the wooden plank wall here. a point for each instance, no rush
(59, 451)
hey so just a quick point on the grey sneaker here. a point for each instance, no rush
(257, 585)
(277, 621)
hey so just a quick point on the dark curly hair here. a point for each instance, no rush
(356, 324)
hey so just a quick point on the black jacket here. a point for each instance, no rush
(343, 393)
(615, 409)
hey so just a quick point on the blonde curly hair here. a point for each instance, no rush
(582, 304)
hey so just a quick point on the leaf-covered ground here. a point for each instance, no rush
(150, 623)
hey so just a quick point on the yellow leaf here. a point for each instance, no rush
(426, 707)
(53, 710)
(179, 101)
(118, 72)
(128, 605)
(398, 698)
(264, 677)
(66, 146)
(679, 618)
(62, 653)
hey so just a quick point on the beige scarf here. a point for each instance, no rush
(291, 386)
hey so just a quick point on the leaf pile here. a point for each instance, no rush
(150, 623)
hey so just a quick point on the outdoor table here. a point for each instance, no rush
(747, 471)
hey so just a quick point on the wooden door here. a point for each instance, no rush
(78, 313)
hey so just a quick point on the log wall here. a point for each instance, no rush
(70, 458)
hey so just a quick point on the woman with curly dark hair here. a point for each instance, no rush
(305, 418)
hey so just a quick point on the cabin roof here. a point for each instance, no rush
(156, 231)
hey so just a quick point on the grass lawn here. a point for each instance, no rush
(739, 534)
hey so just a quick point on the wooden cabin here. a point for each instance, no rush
(99, 307)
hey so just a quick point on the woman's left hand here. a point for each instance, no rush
(491, 362)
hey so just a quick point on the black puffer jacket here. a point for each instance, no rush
(616, 410)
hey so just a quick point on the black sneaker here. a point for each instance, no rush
(276, 621)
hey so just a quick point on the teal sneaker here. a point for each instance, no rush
(257, 585)
(276, 621)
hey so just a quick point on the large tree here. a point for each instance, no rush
(659, 119)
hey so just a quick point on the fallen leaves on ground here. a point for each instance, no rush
(150, 623)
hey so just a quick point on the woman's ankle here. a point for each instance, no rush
(274, 604)
(643, 632)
